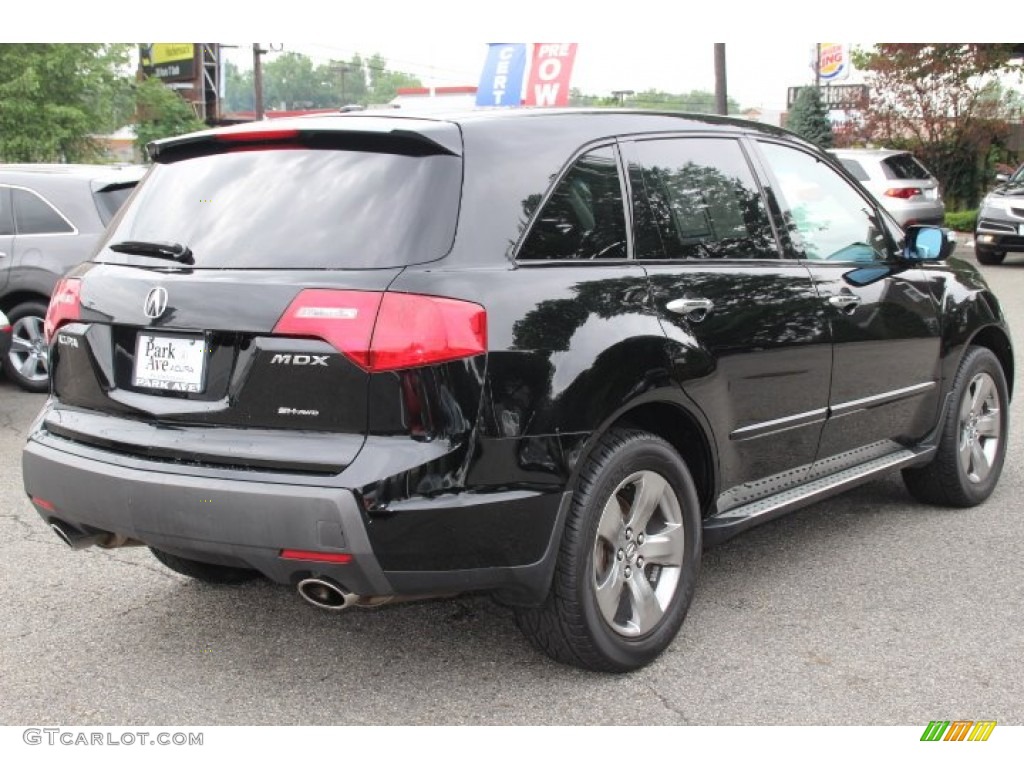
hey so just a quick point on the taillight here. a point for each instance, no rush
(340, 558)
(903, 193)
(65, 306)
(388, 331)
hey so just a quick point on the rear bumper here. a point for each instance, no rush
(228, 522)
(453, 543)
(925, 212)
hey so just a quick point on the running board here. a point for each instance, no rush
(721, 527)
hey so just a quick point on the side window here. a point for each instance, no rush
(826, 217)
(6, 217)
(697, 199)
(584, 217)
(35, 216)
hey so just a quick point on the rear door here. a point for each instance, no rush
(883, 312)
(6, 235)
(262, 330)
(752, 342)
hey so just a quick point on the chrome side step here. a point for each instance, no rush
(723, 526)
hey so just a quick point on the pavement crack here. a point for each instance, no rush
(667, 704)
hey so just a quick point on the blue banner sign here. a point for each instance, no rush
(501, 84)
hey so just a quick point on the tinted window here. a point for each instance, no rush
(903, 167)
(826, 217)
(34, 216)
(697, 199)
(6, 217)
(855, 168)
(298, 209)
(110, 199)
(584, 217)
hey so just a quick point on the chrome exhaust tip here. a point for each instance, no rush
(326, 594)
(73, 537)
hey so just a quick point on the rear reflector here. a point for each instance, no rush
(44, 504)
(316, 557)
(903, 193)
(65, 306)
(388, 331)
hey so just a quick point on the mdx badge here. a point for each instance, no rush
(156, 303)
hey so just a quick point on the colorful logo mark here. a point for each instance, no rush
(958, 730)
(834, 62)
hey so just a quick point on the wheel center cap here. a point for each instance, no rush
(631, 550)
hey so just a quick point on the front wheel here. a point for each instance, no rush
(629, 558)
(989, 257)
(972, 446)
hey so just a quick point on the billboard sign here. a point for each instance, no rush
(833, 62)
(501, 83)
(168, 61)
(833, 96)
(550, 72)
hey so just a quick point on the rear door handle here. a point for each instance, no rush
(847, 301)
(695, 309)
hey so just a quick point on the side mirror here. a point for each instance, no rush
(1002, 177)
(929, 243)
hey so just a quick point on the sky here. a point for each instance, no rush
(630, 45)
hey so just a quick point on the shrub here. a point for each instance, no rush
(961, 221)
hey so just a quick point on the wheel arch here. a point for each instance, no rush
(994, 339)
(680, 426)
(13, 299)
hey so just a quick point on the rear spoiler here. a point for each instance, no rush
(437, 138)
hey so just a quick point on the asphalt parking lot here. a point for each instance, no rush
(866, 609)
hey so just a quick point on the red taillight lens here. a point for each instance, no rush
(65, 306)
(316, 557)
(388, 331)
(903, 193)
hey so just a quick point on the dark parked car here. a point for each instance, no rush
(549, 355)
(51, 217)
(1000, 227)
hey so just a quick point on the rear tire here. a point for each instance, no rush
(972, 446)
(629, 558)
(989, 257)
(205, 572)
(27, 363)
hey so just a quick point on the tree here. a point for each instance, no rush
(53, 96)
(160, 113)
(936, 99)
(384, 83)
(702, 102)
(809, 118)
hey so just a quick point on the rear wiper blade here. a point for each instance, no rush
(173, 251)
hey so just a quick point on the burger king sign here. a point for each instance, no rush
(833, 62)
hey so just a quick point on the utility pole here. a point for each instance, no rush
(817, 66)
(257, 79)
(721, 98)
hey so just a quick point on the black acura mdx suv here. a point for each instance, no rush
(545, 354)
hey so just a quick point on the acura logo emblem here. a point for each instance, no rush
(156, 303)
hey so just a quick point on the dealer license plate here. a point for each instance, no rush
(176, 363)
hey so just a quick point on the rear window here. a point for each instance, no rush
(855, 168)
(297, 209)
(110, 199)
(904, 167)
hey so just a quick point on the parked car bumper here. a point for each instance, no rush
(925, 212)
(243, 523)
(999, 231)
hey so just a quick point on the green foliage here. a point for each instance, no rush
(161, 113)
(809, 118)
(944, 103)
(702, 102)
(961, 221)
(53, 96)
(292, 81)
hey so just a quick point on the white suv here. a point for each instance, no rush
(901, 183)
